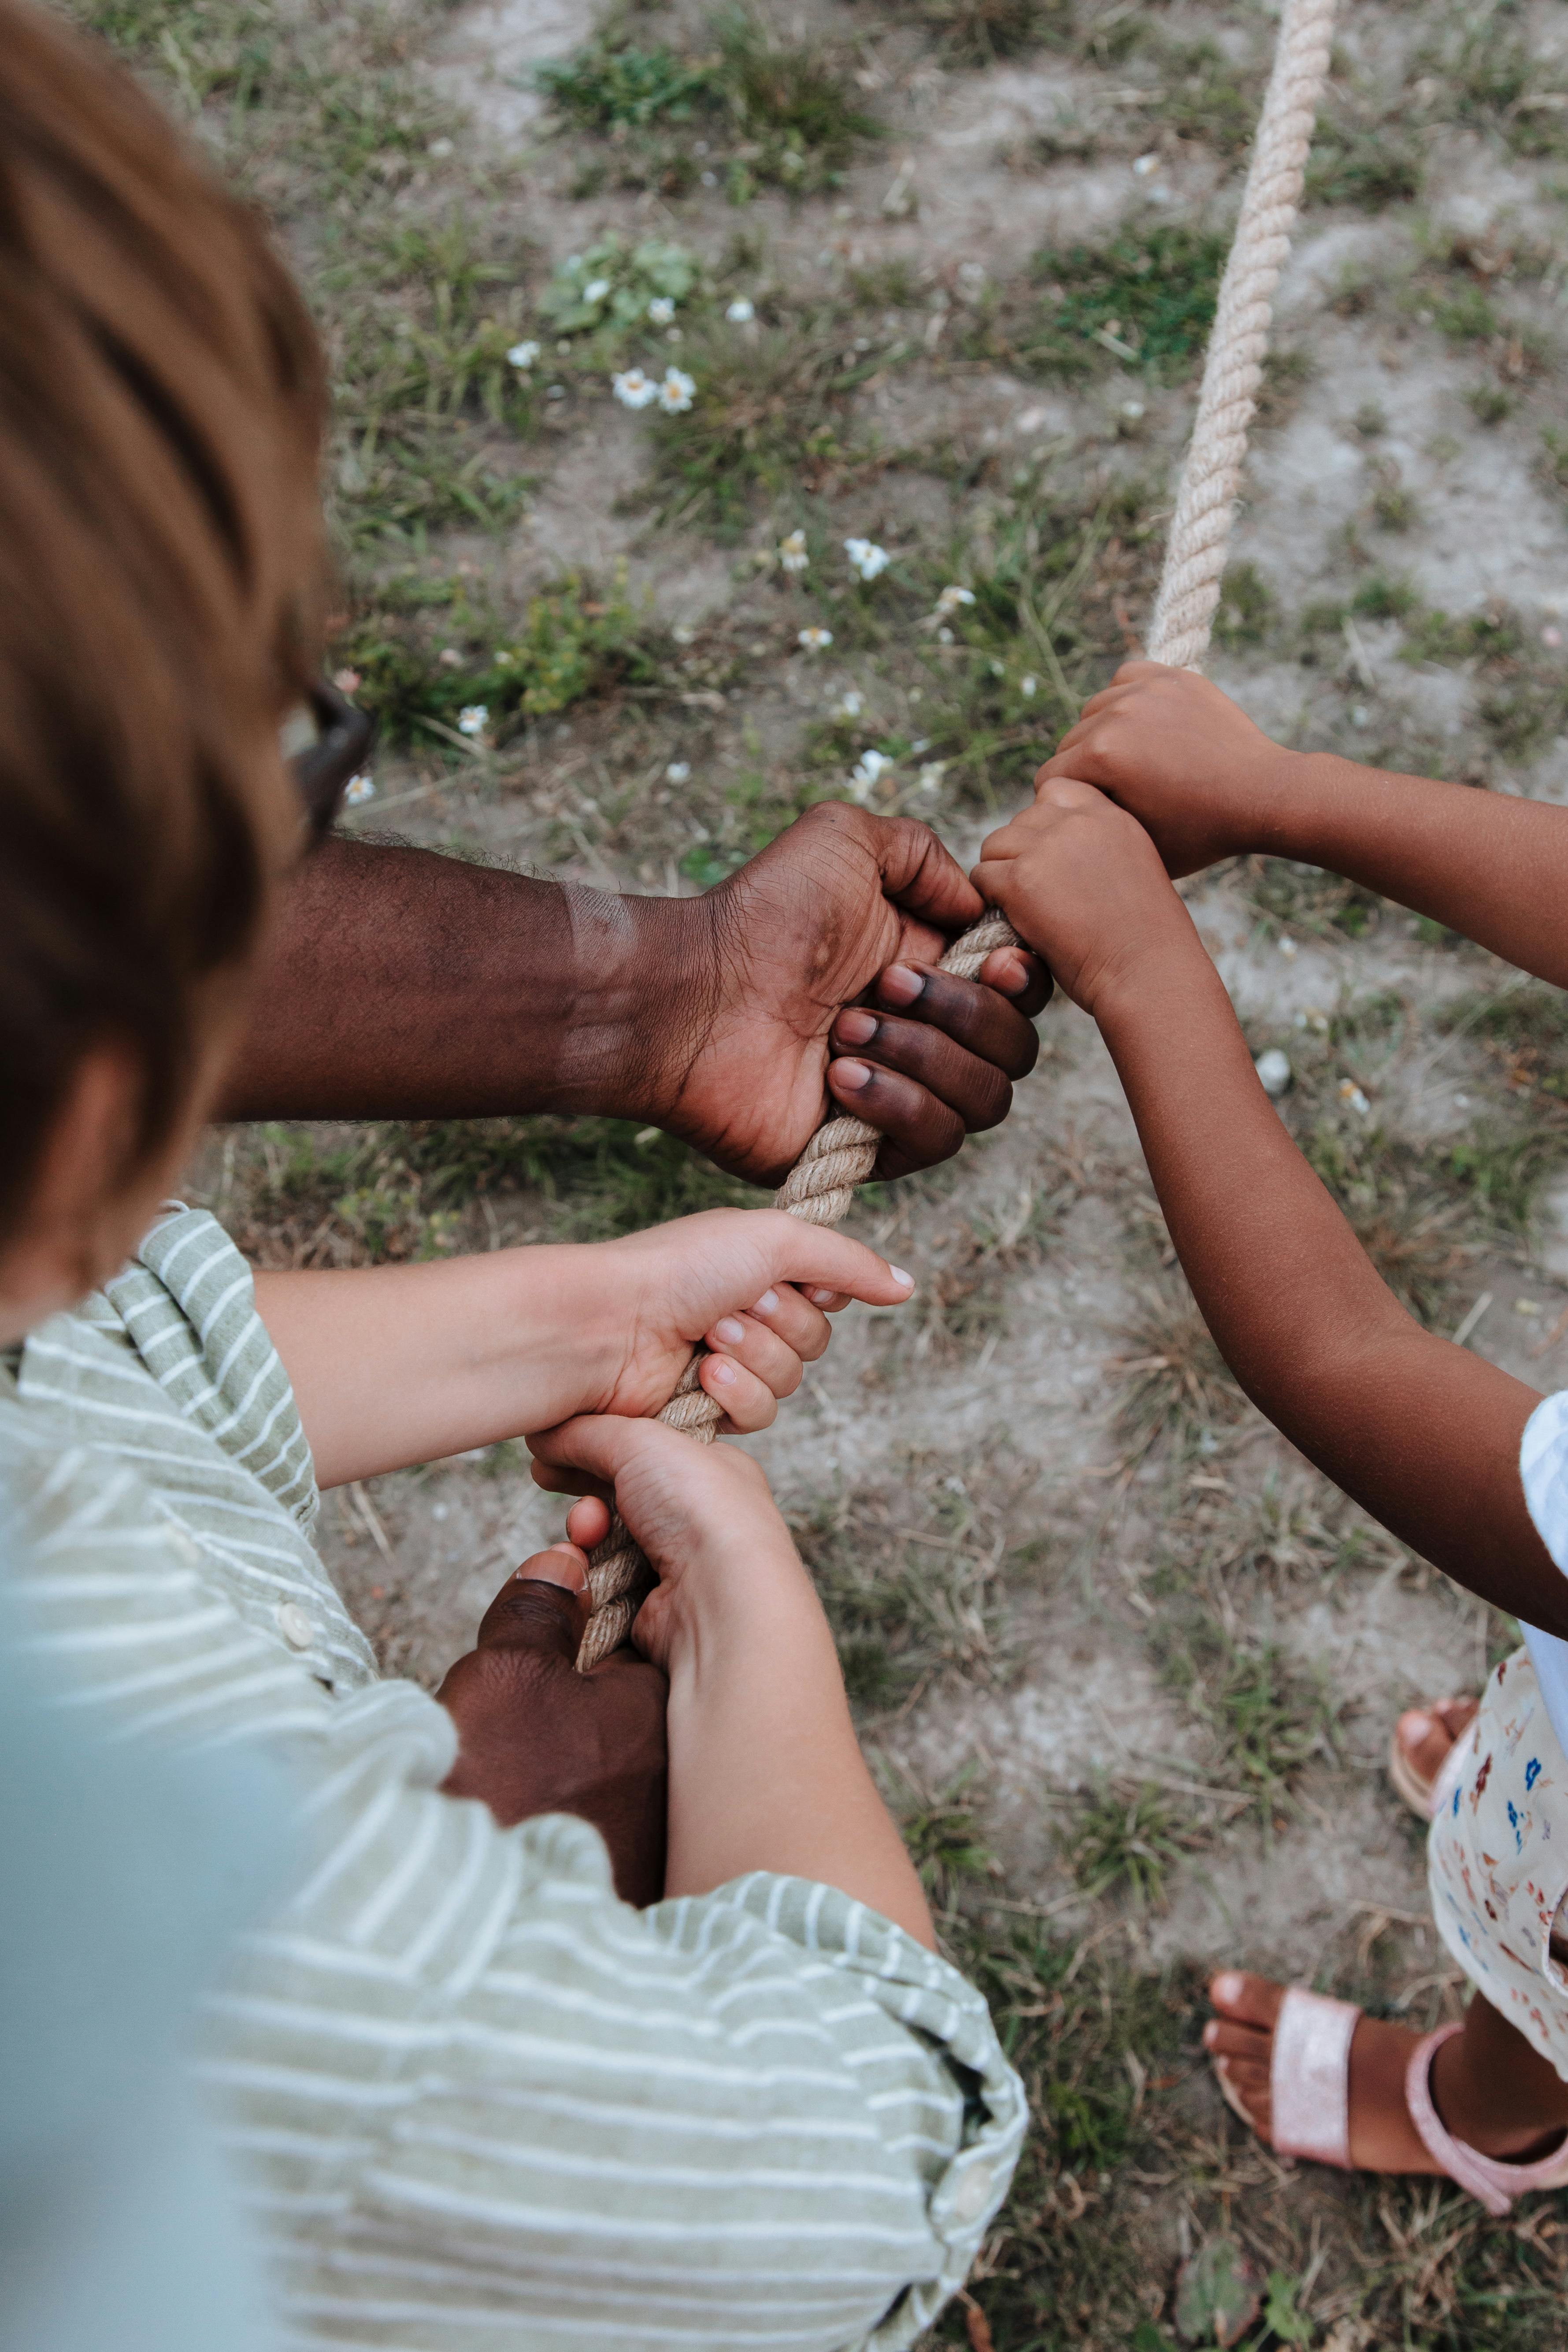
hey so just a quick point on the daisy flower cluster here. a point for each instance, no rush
(865, 558)
(674, 390)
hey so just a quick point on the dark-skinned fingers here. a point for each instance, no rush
(977, 1090)
(1020, 976)
(744, 1339)
(535, 1612)
(748, 1402)
(992, 1028)
(920, 1131)
(798, 1320)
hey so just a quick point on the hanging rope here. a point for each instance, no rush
(840, 1156)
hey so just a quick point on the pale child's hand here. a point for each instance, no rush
(1178, 755)
(702, 1514)
(764, 1769)
(756, 1285)
(1081, 881)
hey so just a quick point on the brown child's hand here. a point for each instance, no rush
(1081, 881)
(536, 1737)
(1178, 755)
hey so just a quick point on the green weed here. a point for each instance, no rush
(977, 32)
(1362, 165)
(1245, 608)
(767, 416)
(608, 86)
(907, 1602)
(424, 651)
(608, 290)
(1175, 1383)
(1126, 1836)
(1147, 297)
(946, 1841)
(1267, 1718)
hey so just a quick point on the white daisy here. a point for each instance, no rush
(677, 771)
(473, 719)
(522, 356)
(1026, 687)
(596, 289)
(661, 310)
(850, 704)
(635, 390)
(675, 393)
(866, 557)
(360, 790)
(741, 311)
(813, 639)
(931, 775)
(952, 598)
(791, 552)
(347, 682)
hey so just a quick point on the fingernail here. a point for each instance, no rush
(1014, 977)
(901, 984)
(723, 1371)
(1211, 2035)
(899, 1276)
(857, 1027)
(820, 1297)
(561, 1563)
(1227, 1987)
(852, 1076)
(729, 1330)
(766, 1303)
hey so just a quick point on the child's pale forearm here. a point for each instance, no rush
(1487, 866)
(397, 1364)
(764, 1769)
(1411, 1427)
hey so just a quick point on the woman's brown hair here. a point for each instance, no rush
(161, 414)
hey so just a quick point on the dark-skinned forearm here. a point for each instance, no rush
(403, 985)
(1423, 1434)
(1485, 864)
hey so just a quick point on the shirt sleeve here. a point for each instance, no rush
(480, 2095)
(1543, 1468)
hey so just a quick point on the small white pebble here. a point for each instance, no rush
(1359, 716)
(1527, 1306)
(679, 771)
(1274, 1072)
(1287, 947)
(440, 1510)
(1143, 164)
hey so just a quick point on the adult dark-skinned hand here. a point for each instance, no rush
(405, 985)
(536, 1737)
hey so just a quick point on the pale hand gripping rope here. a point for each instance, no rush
(822, 1184)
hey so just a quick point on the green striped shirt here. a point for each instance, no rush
(478, 2101)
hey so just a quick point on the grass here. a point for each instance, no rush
(768, 416)
(1246, 608)
(422, 650)
(296, 1195)
(912, 1587)
(1364, 166)
(1125, 1839)
(1174, 1383)
(973, 33)
(777, 110)
(1267, 1717)
(1146, 298)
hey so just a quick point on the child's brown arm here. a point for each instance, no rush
(1425, 1435)
(1192, 769)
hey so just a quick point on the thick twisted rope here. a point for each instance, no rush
(840, 1156)
(1233, 370)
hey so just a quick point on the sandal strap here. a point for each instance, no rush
(1308, 2078)
(1490, 2181)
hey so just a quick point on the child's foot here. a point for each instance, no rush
(1239, 2038)
(1423, 1739)
(1463, 2084)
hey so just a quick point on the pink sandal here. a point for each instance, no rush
(1309, 2088)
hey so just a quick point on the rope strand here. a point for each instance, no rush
(821, 1186)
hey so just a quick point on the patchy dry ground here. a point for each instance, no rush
(938, 273)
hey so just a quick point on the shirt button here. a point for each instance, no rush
(973, 2194)
(294, 1625)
